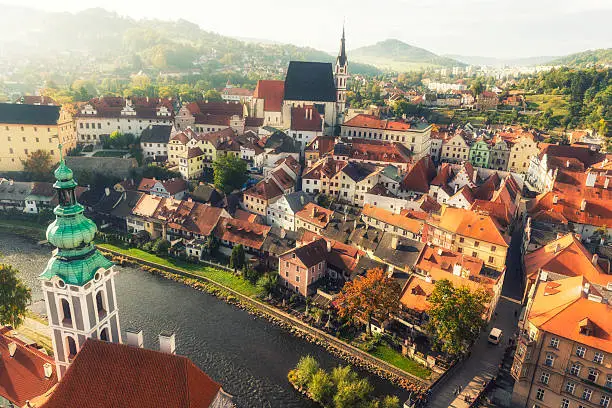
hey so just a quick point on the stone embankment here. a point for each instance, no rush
(335, 346)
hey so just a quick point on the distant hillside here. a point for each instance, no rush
(399, 56)
(96, 41)
(584, 59)
(500, 62)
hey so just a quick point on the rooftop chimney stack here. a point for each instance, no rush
(329, 245)
(134, 338)
(595, 259)
(583, 204)
(591, 179)
(567, 164)
(394, 242)
(167, 343)
(555, 199)
(606, 183)
(12, 347)
(48, 368)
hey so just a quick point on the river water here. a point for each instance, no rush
(249, 356)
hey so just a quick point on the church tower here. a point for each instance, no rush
(78, 282)
(341, 76)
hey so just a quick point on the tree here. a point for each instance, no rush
(161, 246)
(229, 172)
(352, 394)
(237, 259)
(455, 316)
(212, 95)
(320, 387)
(477, 87)
(267, 283)
(39, 165)
(14, 297)
(372, 295)
(306, 368)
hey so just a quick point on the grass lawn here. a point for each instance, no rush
(109, 153)
(217, 275)
(25, 228)
(386, 353)
(558, 103)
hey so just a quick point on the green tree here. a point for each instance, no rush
(306, 368)
(455, 316)
(238, 258)
(267, 283)
(352, 394)
(14, 297)
(212, 95)
(229, 172)
(321, 387)
(39, 165)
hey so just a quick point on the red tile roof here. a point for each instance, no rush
(172, 186)
(22, 377)
(272, 92)
(377, 151)
(107, 374)
(111, 106)
(420, 175)
(470, 224)
(403, 221)
(373, 122)
(315, 214)
(265, 189)
(242, 232)
(306, 118)
(322, 144)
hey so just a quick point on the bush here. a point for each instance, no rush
(161, 246)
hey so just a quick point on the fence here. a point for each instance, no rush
(328, 339)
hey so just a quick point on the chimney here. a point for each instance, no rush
(606, 183)
(314, 211)
(48, 368)
(167, 343)
(394, 241)
(456, 187)
(457, 269)
(586, 288)
(134, 338)
(475, 176)
(428, 278)
(107, 191)
(283, 233)
(595, 259)
(555, 199)
(329, 245)
(567, 164)
(557, 248)
(12, 347)
(440, 251)
(583, 205)
(590, 180)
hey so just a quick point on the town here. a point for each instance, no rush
(465, 263)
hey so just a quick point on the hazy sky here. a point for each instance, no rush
(498, 28)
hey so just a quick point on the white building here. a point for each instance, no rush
(154, 142)
(281, 213)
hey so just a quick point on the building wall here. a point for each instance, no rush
(499, 156)
(279, 214)
(520, 155)
(295, 276)
(151, 150)
(479, 154)
(90, 128)
(418, 141)
(455, 150)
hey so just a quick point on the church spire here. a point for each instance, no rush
(342, 60)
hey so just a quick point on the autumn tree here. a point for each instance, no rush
(455, 316)
(230, 172)
(212, 95)
(374, 295)
(38, 165)
(14, 297)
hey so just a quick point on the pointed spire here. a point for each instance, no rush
(342, 60)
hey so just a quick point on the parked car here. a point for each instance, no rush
(495, 336)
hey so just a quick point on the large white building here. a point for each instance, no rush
(281, 213)
(102, 116)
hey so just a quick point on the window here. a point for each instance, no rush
(575, 369)
(493, 248)
(550, 360)
(100, 304)
(297, 278)
(564, 403)
(609, 381)
(554, 342)
(461, 239)
(540, 394)
(598, 358)
(586, 394)
(104, 334)
(66, 314)
(491, 259)
(476, 244)
(474, 254)
(544, 378)
(570, 387)
(580, 351)
(604, 401)
(593, 374)
(71, 347)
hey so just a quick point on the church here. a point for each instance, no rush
(320, 86)
(91, 365)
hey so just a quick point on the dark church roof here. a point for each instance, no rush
(29, 114)
(156, 134)
(341, 60)
(310, 81)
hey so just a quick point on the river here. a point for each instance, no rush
(249, 356)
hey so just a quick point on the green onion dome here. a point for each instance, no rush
(63, 172)
(70, 232)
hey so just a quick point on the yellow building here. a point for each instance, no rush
(27, 128)
(523, 147)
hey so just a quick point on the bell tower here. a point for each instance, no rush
(78, 282)
(341, 76)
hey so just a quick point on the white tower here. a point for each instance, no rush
(78, 282)
(341, 76)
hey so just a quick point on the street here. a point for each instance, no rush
(483, 362)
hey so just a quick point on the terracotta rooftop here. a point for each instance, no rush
(405, 222)
(306, 118)
(419, 176)
(373, 122)
(315, 214)
(272, 92)
(242, 232)
(265, 189)
(469, 224)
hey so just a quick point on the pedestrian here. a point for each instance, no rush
(515, 312)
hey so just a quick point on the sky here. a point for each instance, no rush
(491, 28)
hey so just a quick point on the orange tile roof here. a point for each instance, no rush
(106, 374)
(315, 214)
(306, 118)
(565, 256)
(373, 122)
(22, 377)
(414, 225)
(265, 189)
(561, 307)
(245, 216)
(420, 175)
(147, 205)
(415, 294)
(470, 224)
(242, 232)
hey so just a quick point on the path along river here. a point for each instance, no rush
(249, 356)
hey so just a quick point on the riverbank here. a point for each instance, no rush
(28, 229)
(278, 317)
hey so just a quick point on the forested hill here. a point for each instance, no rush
(600, 57)
(96, 39)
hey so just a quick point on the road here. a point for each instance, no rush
(485, 358)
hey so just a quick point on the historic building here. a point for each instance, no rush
(341, 76)
(78, 282)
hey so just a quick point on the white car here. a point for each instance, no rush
(495, 336)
